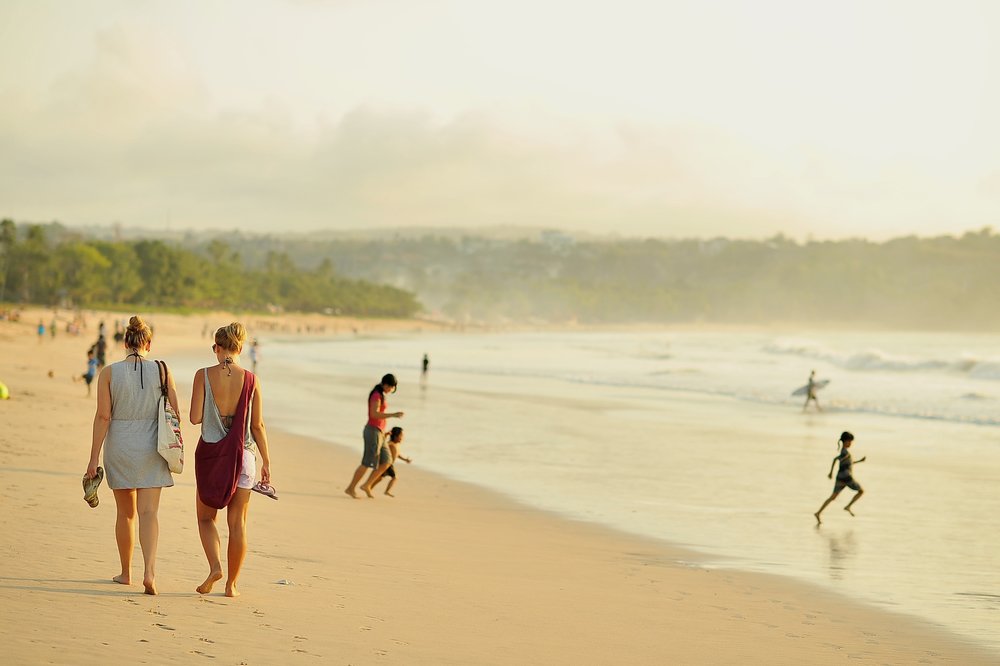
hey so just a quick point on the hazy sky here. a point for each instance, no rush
(661, 117)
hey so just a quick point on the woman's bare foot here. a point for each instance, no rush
(149, 586)
(848, 510)
(368, 491)
(350, 491)
(123, 579)
(389, 494)
(213, 578)
(231, 590)
(818, 521)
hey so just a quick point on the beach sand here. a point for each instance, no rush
(446, 573)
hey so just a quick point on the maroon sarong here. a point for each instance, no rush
(217, 465)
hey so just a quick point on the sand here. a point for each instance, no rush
(445, 573)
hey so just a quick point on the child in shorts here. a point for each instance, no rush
(394, 440)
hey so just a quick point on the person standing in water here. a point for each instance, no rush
(845, 476)
(811, 392)
(376, 456)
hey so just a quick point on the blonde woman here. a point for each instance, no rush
(226, 400)
(125, 426)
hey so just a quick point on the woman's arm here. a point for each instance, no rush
(830, 475)
(102, 420)
(260, 434)
(198, 397)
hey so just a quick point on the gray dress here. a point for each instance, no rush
(130, 457)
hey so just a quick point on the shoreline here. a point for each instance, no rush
(447, 572)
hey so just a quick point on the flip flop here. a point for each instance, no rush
(265, 489)
(90, 488)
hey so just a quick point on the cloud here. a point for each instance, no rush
(135, 136)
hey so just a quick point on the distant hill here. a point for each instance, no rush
(514, 275)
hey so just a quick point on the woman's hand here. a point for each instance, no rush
(863, 458)
(830, 475)
(91, 469)
(265, 473)
(398, 415)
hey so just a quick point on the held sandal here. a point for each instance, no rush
(90, 488)
(265, 489)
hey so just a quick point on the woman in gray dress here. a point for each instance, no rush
(125, 426)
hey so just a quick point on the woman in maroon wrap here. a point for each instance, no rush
(226, 400)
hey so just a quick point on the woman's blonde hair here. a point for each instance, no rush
(138, 334)
(232, 337)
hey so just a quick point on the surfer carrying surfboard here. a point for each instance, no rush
(811, 387)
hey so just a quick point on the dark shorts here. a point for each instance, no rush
(846, 482)
(374, 446)
(391, 472)
(88, 379)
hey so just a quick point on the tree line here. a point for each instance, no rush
(49, 265)
(946, 282)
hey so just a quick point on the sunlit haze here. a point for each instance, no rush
(669, 118)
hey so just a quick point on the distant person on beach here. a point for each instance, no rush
(128, 395)
(226, 400)
(426, 364)
(101, 347)
(811, 392)
(845, 476)
(41, 331)
(91, 372)
(254, 352)
(376, 456)
(394, 442)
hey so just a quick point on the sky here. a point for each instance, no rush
(671, 118)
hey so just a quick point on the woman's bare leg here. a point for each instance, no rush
(210, 542)
(148, 504)
(125, 533)
(359, 473)
(236, 515)
(373, 479)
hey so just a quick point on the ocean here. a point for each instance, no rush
(693, 438)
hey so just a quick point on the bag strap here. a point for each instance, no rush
(164, 374)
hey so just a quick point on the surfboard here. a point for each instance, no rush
(802, 390)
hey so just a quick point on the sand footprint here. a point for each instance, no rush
(201, 654)
(163, 626)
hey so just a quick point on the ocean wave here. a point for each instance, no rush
(879, 360)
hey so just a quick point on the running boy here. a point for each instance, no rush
(845, 477)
